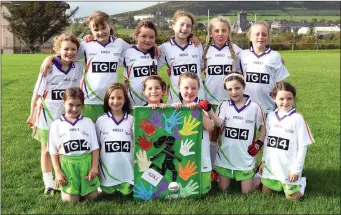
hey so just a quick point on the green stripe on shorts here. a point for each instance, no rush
(276, 185)
(124, 188)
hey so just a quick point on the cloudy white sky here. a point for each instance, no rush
(110, 7)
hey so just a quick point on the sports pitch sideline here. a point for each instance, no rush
(316, 75)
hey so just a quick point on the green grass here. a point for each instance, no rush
(316, 74)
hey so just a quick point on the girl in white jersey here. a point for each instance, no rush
(180, 54)
(102, 58)
(220, 59)
(115, 133)
(262, 67)
(287, 139)
(189, 84)
(46, 104)
(74, 150)
(237, 117)
(140, 61)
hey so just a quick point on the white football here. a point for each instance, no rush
(173, 186)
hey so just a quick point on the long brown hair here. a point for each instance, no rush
(127, 105)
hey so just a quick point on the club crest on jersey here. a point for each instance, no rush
(141, 71)
(236, 133)
(104, 67)
(75, 145)
(256, 77)
(117, 146)
(278, 142)
(57, 94)
(219, 69)
(179, 69)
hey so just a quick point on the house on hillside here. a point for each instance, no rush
(320, 31)
(242, 24)
(9, 43)
(143, 16)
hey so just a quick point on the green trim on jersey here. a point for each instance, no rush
(208, 92)
(45, 108)
(89, 87)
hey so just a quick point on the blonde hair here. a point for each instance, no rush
(64, 37)
(229, 41)
(265, 24)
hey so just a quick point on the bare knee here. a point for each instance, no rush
(92, 196)
(295, 196)
(70, 198)
(224, 183)
(266, 190)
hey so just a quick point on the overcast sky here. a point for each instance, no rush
(110, 7)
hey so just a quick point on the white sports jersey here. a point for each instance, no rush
(284, 135)
(138, 65)
(219, 64)
(102, 61)
(51, 90)
(180, 60)
(67, 138)
(238, 133)
(116, 155)
(261, 73)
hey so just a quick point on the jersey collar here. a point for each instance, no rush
(267, 51)
(57, 62)
(125, 116)
(111, 39)
(63, 118)
(247, 103)
(135, 47)
(219, 49)
(173, 42)
(289, 113)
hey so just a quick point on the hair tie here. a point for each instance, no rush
(233, 74)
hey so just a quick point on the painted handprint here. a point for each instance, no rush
(189, 189)
(144, 143)
(189, 124)
(188, 171)
(172, 121)
(147, 126)
(195, 113)
(186, 146)
(142, 160)
(141, 192)
(176, 133)
(162, 187)
(156, 118)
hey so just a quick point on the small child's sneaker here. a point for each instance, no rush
(50, 191)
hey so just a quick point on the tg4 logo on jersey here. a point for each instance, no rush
(278, 142)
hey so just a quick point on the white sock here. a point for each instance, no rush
(257, 175)
(303, 183)
(213, 152)
(48, 179)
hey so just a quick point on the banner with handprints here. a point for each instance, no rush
(167, 153)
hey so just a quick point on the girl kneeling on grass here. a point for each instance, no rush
(74, 150)
(237, 117)
(115, 133)
(287, 139)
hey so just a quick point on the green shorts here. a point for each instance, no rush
(205, 182)
(92, 111)
(276, 185)
(238, 175)
(41, 135)
(125, 188)
(75, 169)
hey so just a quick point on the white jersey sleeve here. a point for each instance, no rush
(41, 85)
(80, 53)
(304, 135)
(280, 69)
(260, 116)
(54, 139)
(161, 61)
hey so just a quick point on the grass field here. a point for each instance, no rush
(316, 75)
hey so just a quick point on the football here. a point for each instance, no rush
(173, 186)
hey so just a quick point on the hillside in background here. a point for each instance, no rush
(274, 8)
